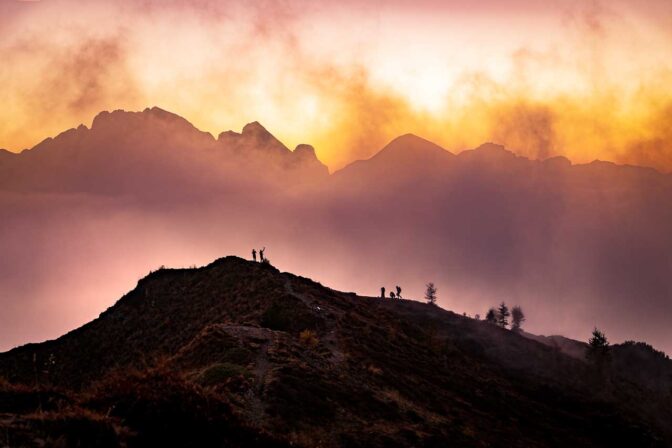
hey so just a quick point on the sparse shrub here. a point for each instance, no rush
(237, 355)
(517, 318)
(301, 395)
(309, 338)
(430, 293)
(220, 372)
(374, 370)
(25, 399)
(75, 427)
(162, 409)
(491, 316)
(469, 432)
(432, 340)
(646, 347)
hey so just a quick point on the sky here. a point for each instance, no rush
(581, 78)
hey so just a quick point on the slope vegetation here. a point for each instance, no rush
(238, 354)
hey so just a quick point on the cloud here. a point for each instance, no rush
(57, 83)
(222, 64)
(528, 128)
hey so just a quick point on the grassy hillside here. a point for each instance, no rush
(238, 354)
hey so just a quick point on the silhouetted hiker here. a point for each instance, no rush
(382, 292)
(254, 254)
(398, 292)
(392, 296)
(261, 254)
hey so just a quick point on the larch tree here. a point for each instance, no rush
(430, 293)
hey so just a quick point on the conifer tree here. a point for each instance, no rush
(503, 315)
(598, 349)
(430, 293)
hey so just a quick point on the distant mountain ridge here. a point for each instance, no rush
(577, 246)
(132, 152)
(154, 132)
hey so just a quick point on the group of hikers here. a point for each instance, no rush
(261, 254)
(382, 290)
(392, 294)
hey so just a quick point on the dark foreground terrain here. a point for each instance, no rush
(237, 354)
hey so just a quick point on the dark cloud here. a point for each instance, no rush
(92, 73)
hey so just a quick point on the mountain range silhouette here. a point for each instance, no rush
(576, 245)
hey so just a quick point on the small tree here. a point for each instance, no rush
(491, 316)
(598, 340)
(503, 315)
(598, 349)
(430, 293)
(517, 318)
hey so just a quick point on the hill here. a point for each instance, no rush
(237, 353)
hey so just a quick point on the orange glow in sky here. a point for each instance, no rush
(584, 79)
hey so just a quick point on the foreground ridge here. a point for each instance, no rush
(237, 353)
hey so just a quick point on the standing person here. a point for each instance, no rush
(398, 292)
(382, 292)
(254, 254)
(261, 254)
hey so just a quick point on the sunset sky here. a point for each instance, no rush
(584, 79)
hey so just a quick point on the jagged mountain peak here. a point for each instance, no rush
(413, 145)
(254, 137)
(255, 128)
(125, 151)
(401, 161)
(121, 119)
(488, 151)
(304, 148)
(558, 162)
(490, 146)
(253, 132)
(305, 155)
(304, 152)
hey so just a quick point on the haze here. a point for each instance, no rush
(88, 213)
(396, 98)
